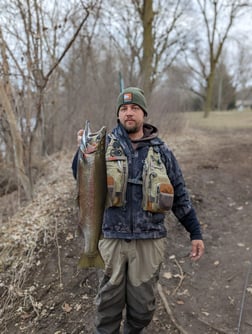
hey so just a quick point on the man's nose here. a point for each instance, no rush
(129, 110)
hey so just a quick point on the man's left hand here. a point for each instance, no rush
(197, 249)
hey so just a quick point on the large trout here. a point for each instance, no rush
(91, 180)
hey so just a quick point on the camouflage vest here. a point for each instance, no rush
(157, 190)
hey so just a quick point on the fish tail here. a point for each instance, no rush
(91, 261)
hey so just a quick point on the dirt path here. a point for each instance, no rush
(205, 297)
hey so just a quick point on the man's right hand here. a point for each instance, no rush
(79, 136)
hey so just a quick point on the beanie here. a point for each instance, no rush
(132, 95)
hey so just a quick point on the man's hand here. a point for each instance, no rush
(79, 136)
(197, 249)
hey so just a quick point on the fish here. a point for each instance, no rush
(92, 189)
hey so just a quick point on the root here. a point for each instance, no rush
(169, 311)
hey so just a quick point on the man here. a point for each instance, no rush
(144, 182)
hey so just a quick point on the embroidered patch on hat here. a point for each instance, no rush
(127, 97)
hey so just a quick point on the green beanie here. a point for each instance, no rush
(132, 95)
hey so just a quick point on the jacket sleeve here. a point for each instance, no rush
(191, 224)
(75, 164)
(182, 206)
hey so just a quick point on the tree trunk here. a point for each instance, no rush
(209, 94)
(146, 66)
(17, 143)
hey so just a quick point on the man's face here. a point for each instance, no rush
(131, 116)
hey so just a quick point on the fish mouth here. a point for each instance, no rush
(91, 148)
(90, 140)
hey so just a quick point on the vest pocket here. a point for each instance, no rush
(158, 192)
(159, 197)
(165, 196)
(117, 173)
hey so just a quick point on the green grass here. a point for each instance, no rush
(221, 119)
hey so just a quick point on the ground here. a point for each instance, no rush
(43, 291)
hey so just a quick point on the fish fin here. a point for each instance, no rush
(91, 261)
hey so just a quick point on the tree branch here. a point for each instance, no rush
(65, 51)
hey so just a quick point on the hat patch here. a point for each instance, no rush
(127, 97)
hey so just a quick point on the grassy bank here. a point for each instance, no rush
(221, 119)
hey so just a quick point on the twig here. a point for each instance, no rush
(58, 250)
(169, 311)
(34, 305)
(65, 50)
(229, 279)
(181, 277)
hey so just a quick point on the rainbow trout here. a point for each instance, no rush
(92, 188)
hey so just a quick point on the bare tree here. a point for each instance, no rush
(28, 65)
(224, 91)
(242, 71)
(148, 36)
(216, 18)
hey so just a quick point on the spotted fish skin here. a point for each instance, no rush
(92, 189)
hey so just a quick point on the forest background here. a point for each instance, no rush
(63, 62)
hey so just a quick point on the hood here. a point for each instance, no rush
(150, 132)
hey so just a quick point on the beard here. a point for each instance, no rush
(131, 128)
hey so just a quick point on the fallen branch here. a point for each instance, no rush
(58, 251)
(169, 311)
(181, 277)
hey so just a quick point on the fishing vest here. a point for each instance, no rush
(157, 190)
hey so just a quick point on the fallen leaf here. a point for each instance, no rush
(249, 290)
(167, 275)
(231, 300)
(67, 308)
(180, 302)
(25, 316)
(77, 307)
(69, 237)
(38, 305)
(205, 313)
(185, 292)
(177, 276)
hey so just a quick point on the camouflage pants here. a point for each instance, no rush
(130, 280)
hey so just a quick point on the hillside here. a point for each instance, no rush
(43, 291)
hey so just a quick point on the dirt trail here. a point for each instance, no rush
(42, 291)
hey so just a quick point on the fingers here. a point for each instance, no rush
(197, 250)
(79, 136)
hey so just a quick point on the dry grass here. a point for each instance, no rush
(220, 120)
(32, 227)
